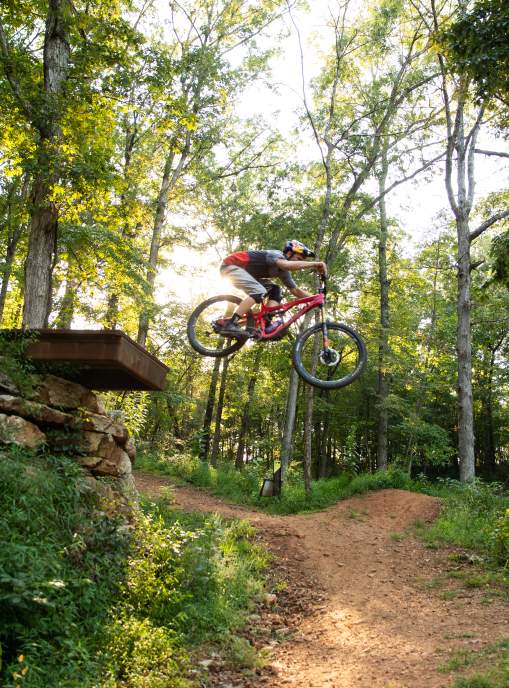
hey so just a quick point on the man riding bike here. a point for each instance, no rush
(249, 270)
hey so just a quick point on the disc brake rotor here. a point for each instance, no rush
(329, 357)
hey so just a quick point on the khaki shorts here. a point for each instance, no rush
(241, 279)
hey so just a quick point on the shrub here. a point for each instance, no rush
(59, 560)
(500, 539)
(88, 600)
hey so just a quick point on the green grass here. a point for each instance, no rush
(89, 600)
(474, 516)
(243, 487)
(496, 655)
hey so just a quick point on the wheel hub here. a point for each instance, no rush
(329, 357)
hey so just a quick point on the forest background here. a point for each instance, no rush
(138, 146)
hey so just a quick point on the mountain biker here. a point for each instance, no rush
(249, 270)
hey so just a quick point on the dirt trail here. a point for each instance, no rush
(386, 616)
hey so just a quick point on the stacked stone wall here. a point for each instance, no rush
(64, 417)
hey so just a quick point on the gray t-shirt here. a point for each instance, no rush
(260, 265)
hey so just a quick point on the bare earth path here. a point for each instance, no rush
(384, 612)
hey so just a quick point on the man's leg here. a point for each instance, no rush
(241, 279)
(244, 306)
(273, 293)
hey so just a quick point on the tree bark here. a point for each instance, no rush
(464, 351)
(207, 421)
(309, 396)
(44, 215)
(383, 347)
(291, 409)
(66, 312)
(487, 428)
(15, 228)
(130, 140)
(170, 177)
(6, 276)
(219, 413)
(322, 456)
(244, 425)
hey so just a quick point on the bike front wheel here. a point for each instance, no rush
(333, 367)
(202, 329)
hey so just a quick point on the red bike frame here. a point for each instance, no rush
(308, 302)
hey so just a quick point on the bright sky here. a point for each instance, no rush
(416, 204)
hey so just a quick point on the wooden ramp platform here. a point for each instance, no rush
(100, 359)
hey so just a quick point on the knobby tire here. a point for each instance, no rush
(194, 338)
(354, 339)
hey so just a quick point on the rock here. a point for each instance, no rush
(130, 449)
(89, 461)
(33, 410)
(7, 385)
(91, 441)
(127, 488)
(65, 440)
(118, 465)
(105, 424)
(206, 662)
(93, 403)
(100, 488)
(104, 445)
(16, 430)
(108, 448)
(65, 394)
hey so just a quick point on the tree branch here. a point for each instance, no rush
(498, 154)
(308, 112)
(486, 225)
(11, 78)
(372, 203)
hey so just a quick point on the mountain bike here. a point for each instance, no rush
(328, 354)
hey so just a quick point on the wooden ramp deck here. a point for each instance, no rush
(100, 359)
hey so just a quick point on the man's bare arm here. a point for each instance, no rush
(291, 265)
(300, 293)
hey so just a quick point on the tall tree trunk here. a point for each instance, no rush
(309, 395)
(170, 177)
(130, 141)
(308, 439)
(487, 429)
(383, 378)
(219, 413)
(289, 424)
(44, 215)
(15, 228)
(6, 276)
(41, 252)
(322, 457)
(464, 351)
(460, 155)
(244, 425)
(324, 223)
(207, 421)
(66, 312)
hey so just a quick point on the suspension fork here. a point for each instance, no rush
(323, 315)
(325, 333)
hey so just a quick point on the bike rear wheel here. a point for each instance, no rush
(203, 335)
(338, 365)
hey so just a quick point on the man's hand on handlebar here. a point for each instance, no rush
(321, 267)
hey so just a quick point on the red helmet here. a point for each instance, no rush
(297, 247)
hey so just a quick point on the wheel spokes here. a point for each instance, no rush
(338, 360)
